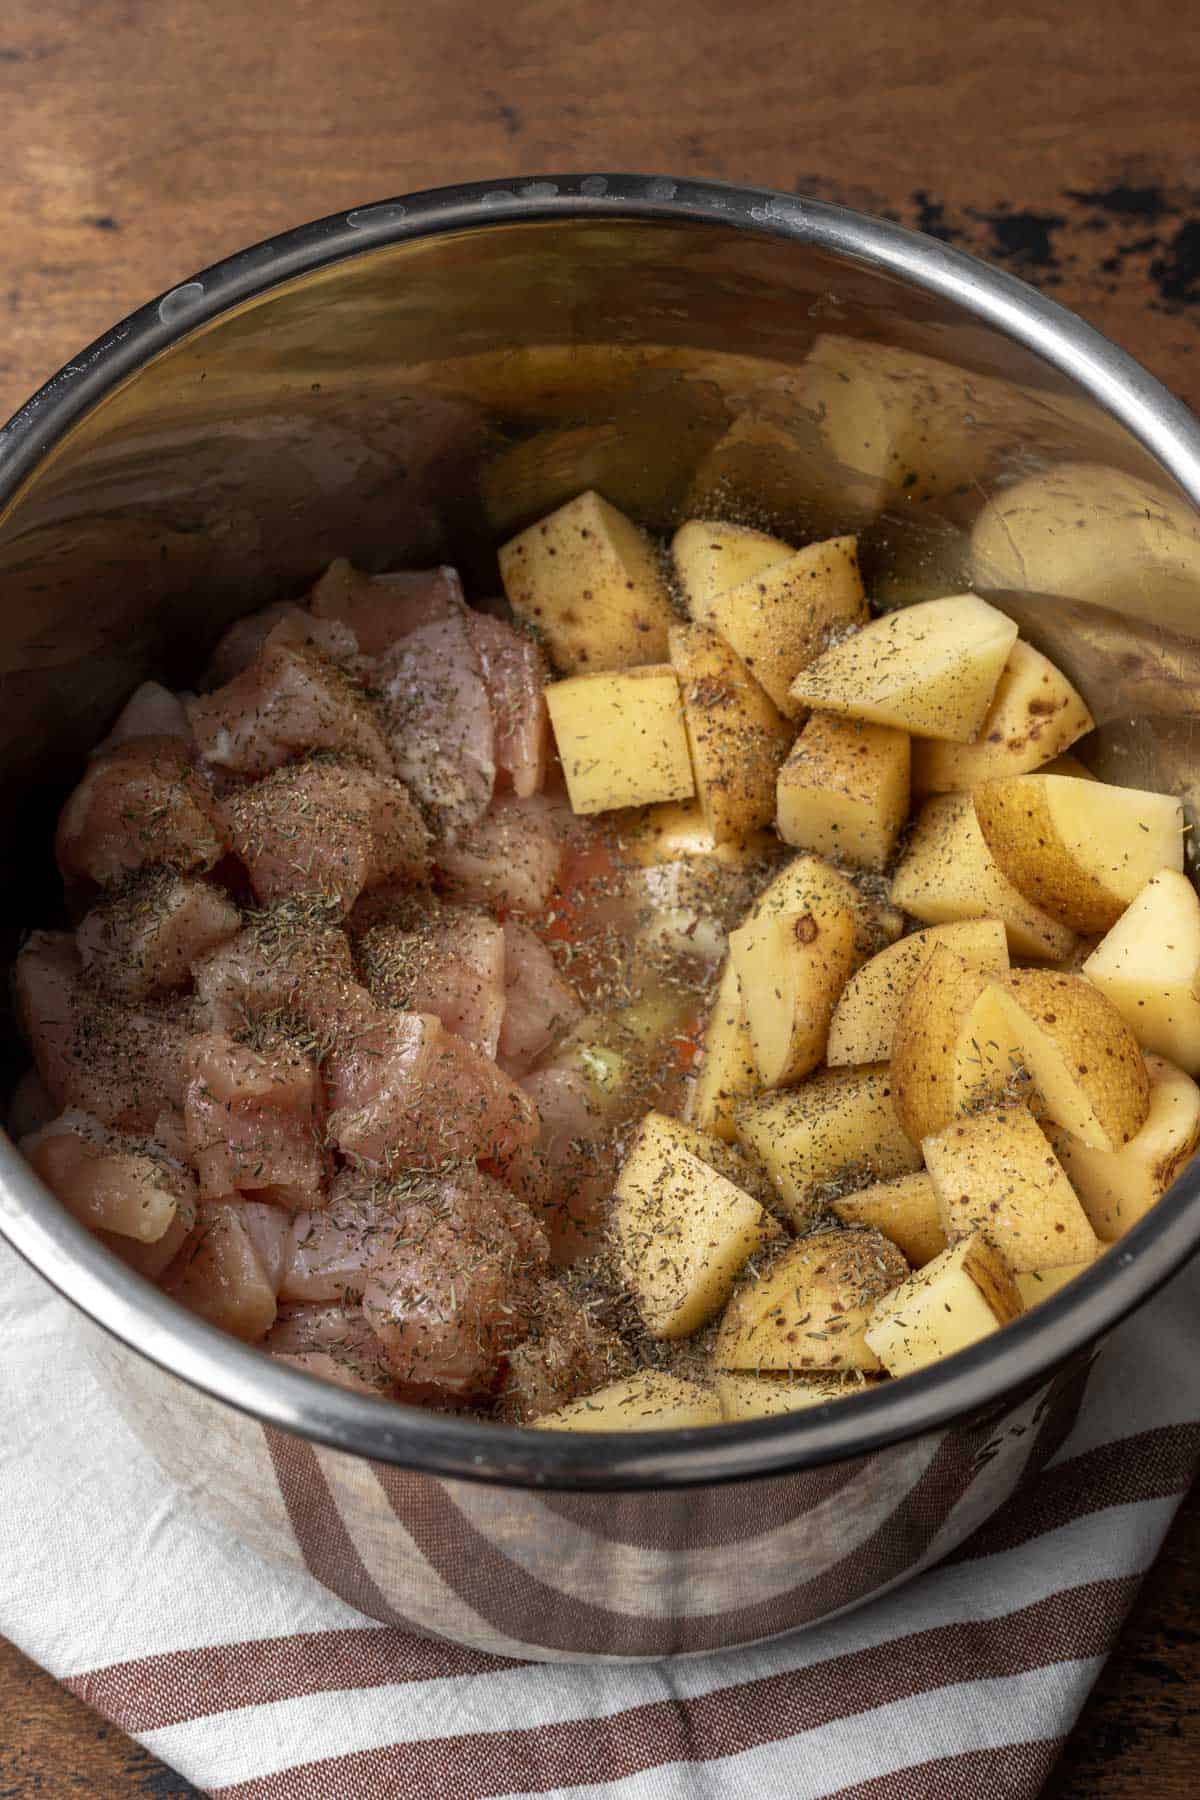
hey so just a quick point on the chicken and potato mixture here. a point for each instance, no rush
(668, 996)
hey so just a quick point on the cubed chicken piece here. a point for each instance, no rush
(122, 1063)
(379, 610)
(539, 1005)
(456, 1294)
(139, 804)
(290, 700)
(241, 643)
(409, 1089)
(439, 722)
(150, 711)
(509, 861)
(290, 966)
(219, 1274)
(333, 1250)
(327, 828)
(140, 942)
(514, 674)
(255, 1122)
(151, 1261)
(451, 964)
(334, 1343)
(110, 1182)
(269, 1229)
(566, 1353)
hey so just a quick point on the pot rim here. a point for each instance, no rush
(147, 1321)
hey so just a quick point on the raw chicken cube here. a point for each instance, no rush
(333, 1342)
(140, 942)
(539, 1006)
(439, 722)
(150, 711)
(329, 828)
(255, 1121)
(219, 1275)
(290, 965)
(450, 964)
(108, 1182)
(139, 804)
(269, 1229)
(241, 643)
(509, 861)
(379, 610)
(514, 674)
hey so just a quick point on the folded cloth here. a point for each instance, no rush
(257, 1684)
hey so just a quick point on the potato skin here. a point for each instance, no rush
(1034, 717)
(811, 1307)
(736, 736)
(863, 1027)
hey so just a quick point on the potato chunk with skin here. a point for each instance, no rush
(931, 669)
(1035, 715)
(1118, 1188)
(961, 1296)
(685, 1232)
(810, 1309)
(843, 791)
(765, 1396)
(141, 942)
(808, 883)
(710, 557)
(588, 580)
(948, 872)
(736, 736)
(954, 1047)
(819, 1140)
(651, 1401)
(1036, 1285)
(996, 1173)
(791, 968)
(782, 618)
(622, 738)
(905, 1209)
(1081, 850)
(1148, 966)
(1084, 1062)
(863, 1027)
(727, 1073)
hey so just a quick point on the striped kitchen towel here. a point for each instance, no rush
(257, 1684)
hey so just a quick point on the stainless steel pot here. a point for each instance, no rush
(408, 382)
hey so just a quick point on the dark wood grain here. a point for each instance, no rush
(142, 139)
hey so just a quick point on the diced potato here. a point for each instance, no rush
(809, 884)
(621, 737)
(1087, 1071)
(863, 1026)
(955, 1047)
(728, 1159)
(649, 1401)
(905, 1210)
(685, 1232)
(809, 1310)
(1118, 1189)
(736, 737)
(791, 968)
(1093, 534)
(711, 557)
(765, 1396)
(1035, 715)
(590, 583)
(1149, 965)
(1080, 850)
(1068, 765)
(727, 1073)
(948, 872)
(843, 791)
(1036, 1285)
(781, 619)
(677, 829)
(961, 1296)
(931, 669)
(819, 1140)
(996, 1173)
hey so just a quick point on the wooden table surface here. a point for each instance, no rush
(145, 138)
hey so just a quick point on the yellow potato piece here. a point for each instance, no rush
(791, 968)
(931, 669)
(651, 1401)
(766, 1396)
(863, 1026)
(810, 884)
(818, 1141)
(781, 618)
(1036, 1285)
(736, 737)
(1035, 715)
(996, 1173)
(1087, 1071)
(948, 872)
(1149, 966)
(843, 791)
(809, 1310)
(711, 556)
(963, 1295)
(684, 1231)
(727, 1074)
(621, 737)
(905, 1210)
(1117, 1189)
(590, 583)
(955, 1048)
(1080, 850)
